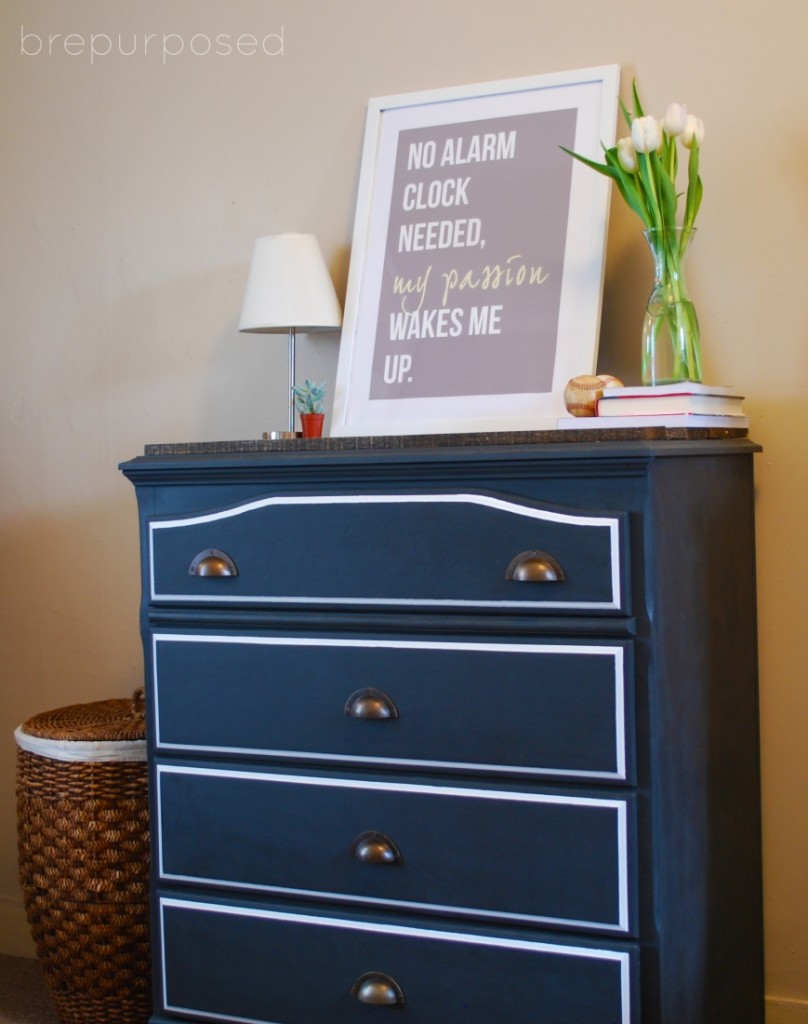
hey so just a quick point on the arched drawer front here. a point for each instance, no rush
(394, 550)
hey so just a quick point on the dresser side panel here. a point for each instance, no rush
(703, 741)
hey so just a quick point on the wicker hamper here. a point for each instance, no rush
(82, 811)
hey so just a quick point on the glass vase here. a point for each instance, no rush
(671, 343)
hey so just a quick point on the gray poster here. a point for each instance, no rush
(474, 255)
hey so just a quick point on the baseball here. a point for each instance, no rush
(582, 393)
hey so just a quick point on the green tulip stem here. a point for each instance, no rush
(647, 172)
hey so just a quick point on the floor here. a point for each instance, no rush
(24, 998)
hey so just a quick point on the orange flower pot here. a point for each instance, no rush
(312, 423)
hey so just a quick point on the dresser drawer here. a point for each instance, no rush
(272, 965)
(532, 708)
(545, 858)
(392, 550)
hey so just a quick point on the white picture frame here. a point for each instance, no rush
(476, 277)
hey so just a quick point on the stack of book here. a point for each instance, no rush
(665, 405)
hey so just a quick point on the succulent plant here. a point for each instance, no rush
(309, 396)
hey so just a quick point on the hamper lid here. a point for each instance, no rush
(107, 730)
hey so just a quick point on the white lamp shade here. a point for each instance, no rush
(289, 286)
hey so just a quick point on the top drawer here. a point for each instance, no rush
(407, 550)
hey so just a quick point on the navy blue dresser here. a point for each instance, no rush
(460, 732)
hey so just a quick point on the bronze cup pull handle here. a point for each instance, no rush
(377, 989)
(212, 562)
(375, 848)
(372, 704)
(535, 567)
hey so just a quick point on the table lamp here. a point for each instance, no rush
(289, 288)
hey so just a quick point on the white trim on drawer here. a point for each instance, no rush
(621, 958)
(611, 524)
(614, 651)
(618, 806)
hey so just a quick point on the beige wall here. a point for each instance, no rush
(132, 191)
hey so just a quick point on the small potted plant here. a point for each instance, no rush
(309, 403)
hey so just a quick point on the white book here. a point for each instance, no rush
(686, 420)
(683, 387)
(670, 405)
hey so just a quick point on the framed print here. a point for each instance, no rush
(476, 274)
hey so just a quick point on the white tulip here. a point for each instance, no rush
(646, 134)
(626, 154)
(675, 119)
(694, 129)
